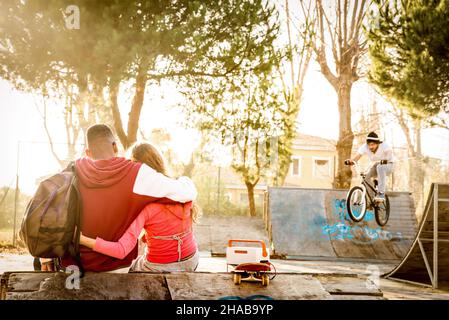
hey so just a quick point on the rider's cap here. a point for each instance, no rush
(372, 137)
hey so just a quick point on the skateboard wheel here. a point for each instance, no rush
(265, 280)
(237, 278)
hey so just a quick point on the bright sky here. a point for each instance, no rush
(20, 121)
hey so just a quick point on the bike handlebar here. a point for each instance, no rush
(350, 162)
(357, 167)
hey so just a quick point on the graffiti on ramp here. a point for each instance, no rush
(361, 232)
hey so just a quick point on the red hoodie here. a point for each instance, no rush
(113, 192)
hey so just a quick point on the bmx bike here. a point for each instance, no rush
(360, 198)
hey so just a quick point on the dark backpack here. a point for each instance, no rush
(52, 220)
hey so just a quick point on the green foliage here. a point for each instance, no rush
(245, 113)
(212, 202)
(288, 112)
(128, 40)
(244, 109)
(409, 49)
(116, 38)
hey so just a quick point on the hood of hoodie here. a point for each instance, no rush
(103, 173)
(180, 210)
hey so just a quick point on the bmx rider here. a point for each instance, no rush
(381, 156)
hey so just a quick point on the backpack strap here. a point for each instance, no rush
(74, 250)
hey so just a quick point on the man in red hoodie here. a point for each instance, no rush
(114, 190)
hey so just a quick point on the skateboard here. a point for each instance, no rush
(253, 272)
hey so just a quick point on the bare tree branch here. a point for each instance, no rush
(292, 66)
(47, 131)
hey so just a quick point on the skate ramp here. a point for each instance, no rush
(314, 224)
(427, 261)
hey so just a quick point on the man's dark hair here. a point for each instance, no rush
(98, 134)
(373, 137)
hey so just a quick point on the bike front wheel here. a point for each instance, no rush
(356, 204)
(382, 212)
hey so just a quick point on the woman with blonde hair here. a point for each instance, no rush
(169, 238)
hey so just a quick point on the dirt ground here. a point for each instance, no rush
(213, 232)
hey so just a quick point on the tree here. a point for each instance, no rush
(72, 127)
(38, 55)
(410, 66)
(243, 108)
(120, 43)
(409, 50)
(412, 129)
(292, 70)
(254, 133)
(343, 29)
(248, 116)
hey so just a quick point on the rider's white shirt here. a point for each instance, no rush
(381, 152)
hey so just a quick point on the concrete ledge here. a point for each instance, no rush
(183, 286)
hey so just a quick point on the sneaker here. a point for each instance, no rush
(380, 197)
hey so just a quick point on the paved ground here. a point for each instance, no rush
(391, 289)
(13, 262)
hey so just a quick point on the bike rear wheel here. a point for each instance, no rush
(356, 204)
(382, 212)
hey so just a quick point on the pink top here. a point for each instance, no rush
(158, 220)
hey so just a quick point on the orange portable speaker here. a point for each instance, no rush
(246, 254)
